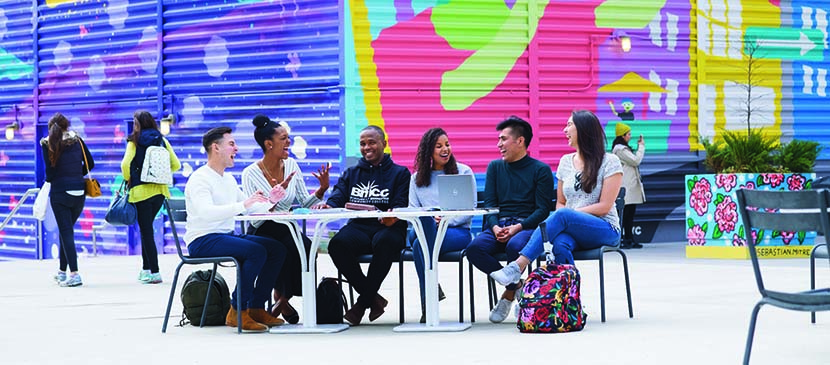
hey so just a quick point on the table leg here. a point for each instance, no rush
(431, 285)
(307, 263)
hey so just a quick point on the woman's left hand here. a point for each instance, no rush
(322, 176)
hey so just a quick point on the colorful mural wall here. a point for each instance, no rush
(671, 69)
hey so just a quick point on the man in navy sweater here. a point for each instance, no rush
(522, 188)
(378, 181)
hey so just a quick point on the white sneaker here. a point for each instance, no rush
(501, 310)
(510, 274)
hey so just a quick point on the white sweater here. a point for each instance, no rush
(212, 200)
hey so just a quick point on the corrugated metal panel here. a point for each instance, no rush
(17, 162)
(97, 66)
(216, 46)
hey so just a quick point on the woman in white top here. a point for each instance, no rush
(632, 182)
(435, 158)
(276, 168)
(585, 217)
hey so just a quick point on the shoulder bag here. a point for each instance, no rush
(91, 187)
(121, 212)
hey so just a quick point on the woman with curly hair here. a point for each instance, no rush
(434, 157)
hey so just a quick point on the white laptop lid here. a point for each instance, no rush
(455, 192)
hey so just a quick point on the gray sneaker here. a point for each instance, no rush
(72, 280)
(510, 274)
(501, 310)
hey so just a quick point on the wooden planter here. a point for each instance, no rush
(714, 227)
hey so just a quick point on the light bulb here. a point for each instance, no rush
(165, 127)
(9, 134)
(625, 43)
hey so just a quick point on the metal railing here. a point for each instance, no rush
(30, 192)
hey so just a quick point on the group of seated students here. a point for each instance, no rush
(520, 186)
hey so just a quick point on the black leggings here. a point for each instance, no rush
(628, 221)
(67, 209)
(289, 282)
(147, 210)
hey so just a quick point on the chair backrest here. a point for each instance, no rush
(782, 211)
(177, 212)
(619, 203)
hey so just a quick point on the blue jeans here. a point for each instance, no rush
(456, 239)
(480, 252)
(571, 230)
(260, 259)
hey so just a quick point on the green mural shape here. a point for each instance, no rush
(627, 14)
(655, 134)
(490, 64)
(470, 25)
(13, 68)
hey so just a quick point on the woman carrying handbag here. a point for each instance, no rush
(67, 160)
(148, 197)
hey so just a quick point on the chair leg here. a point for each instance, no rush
(812, 283)
(602, 288)
(400, 290)
(461, 291)
(170, 299)
(491, 292)
(472, 294)
(207, 295)
(627, 284)
(238, 296)
(751, 332)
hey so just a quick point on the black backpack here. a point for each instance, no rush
(331, 303)
(193, 299)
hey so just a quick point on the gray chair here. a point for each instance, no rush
(783, 211)
(177, 213)
(818, 252)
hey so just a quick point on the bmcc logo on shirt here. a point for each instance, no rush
(369, 191)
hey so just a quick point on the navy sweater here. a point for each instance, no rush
(68, 173)
(385, 186)
(522, 189)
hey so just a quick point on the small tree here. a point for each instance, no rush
(751, 71)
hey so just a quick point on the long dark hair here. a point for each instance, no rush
(58, 124)
(591, 141)
(621, 140)
(265, 129)
(142, 120)
(423, 159)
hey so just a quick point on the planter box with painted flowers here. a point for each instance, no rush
(714, 227)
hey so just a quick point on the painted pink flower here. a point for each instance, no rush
(796, 182)
(750, 185)
(701, 196)
(773, 179)
(787, 237)
(726, 215)
(727, 182)
(738, 240)
(696, 236)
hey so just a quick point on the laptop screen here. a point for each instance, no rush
(456, 192)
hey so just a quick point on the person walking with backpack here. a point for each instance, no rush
(148, 196)
(67, 160)
(632, 181)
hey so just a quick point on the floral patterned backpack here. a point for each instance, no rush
(549, 300)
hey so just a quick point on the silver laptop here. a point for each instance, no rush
(456, 192)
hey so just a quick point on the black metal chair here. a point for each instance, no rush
(783, 211)
(177, 213)
(453, 256)
(819, 251)
(599, 255)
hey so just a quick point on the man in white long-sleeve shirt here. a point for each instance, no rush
(212, 199)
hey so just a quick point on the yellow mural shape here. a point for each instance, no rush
(366, 66)
(631, 82)
(54, 3)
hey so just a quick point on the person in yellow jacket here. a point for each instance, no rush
(147, 197)
(632, 182)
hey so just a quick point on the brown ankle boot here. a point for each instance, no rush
(377, 308)
(230, 319)
(355, 314)
(250, 325)
(261, 316)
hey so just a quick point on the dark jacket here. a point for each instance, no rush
(68, 173)
(147, 138)
(385, 186)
